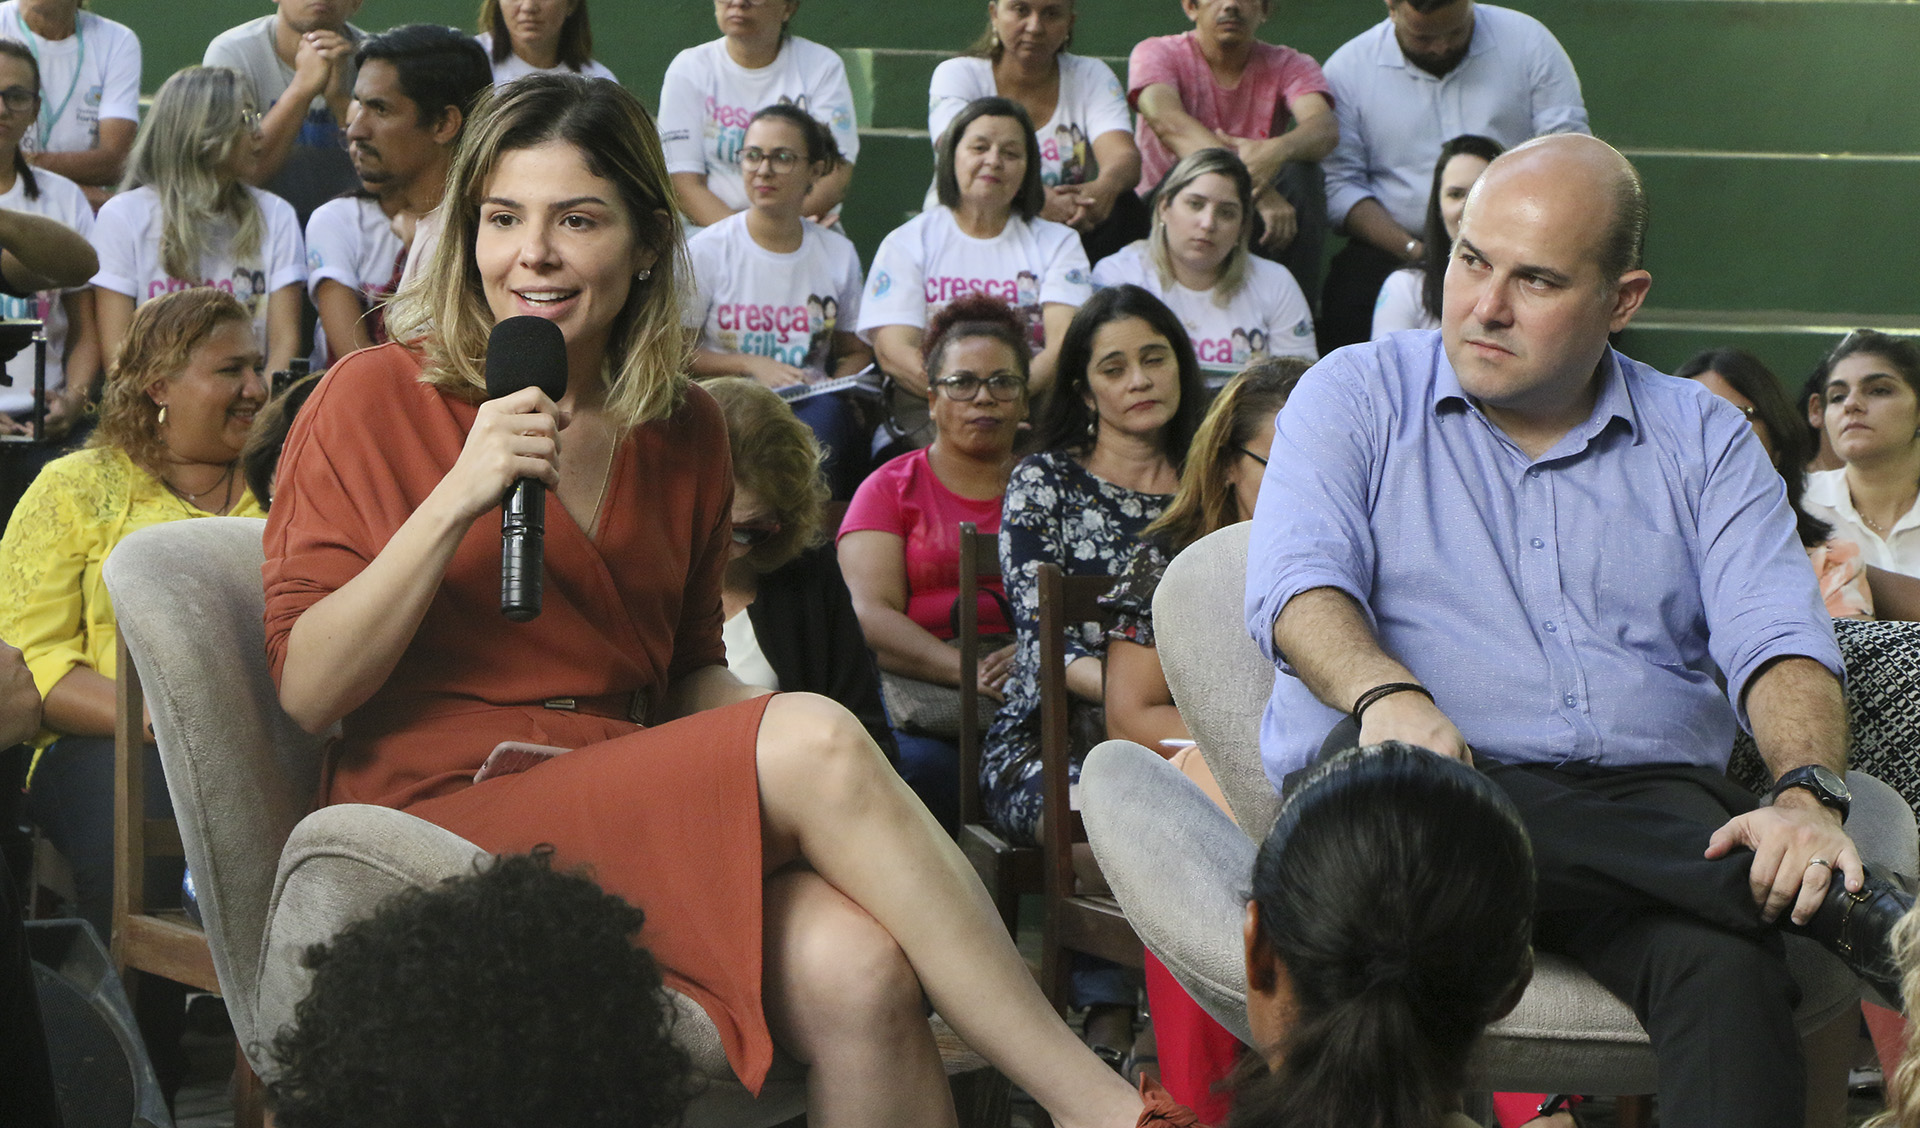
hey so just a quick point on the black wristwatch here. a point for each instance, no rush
(1827, 786)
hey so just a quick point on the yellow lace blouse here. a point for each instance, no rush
(53, 603)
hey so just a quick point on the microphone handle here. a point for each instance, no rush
(523, 526)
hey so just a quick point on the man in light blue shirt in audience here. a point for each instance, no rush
(1508, 543)
(1429, 72)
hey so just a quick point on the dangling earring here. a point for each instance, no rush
(644, 274)
(162, 421)
(1093, 429)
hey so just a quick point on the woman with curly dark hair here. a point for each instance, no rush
(516, 997)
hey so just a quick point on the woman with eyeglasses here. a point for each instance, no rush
(900, 540)
(1236, 307)
(524, 37)
(986, 236)
(710, 93)
(763, 279)
(73, 347)
(789, 620)
(188, 217)
(89, 90)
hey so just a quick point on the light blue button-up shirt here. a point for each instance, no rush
(1516, 83)
(1585, 606)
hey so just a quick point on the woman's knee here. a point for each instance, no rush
(813, 741)
(837, 969)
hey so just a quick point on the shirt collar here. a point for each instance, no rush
(1615, 401)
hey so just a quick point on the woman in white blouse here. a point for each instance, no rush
(1871, 388)
(712, 91)
(1236, 307)
(524, 37)
(1088, 161)
(986, 236)
(1410, 298)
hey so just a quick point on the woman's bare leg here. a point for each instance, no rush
(828, 795)
(842, 998)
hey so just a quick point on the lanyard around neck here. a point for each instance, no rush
(47, 121)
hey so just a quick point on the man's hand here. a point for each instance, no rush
(1281, 220)
(1065, 203)
(319, 63)
(1797, 847)
(1412, 719)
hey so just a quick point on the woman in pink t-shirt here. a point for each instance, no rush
(900, 540)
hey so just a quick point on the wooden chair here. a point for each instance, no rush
(1005, 869)
(160, 941)
(1075, 921)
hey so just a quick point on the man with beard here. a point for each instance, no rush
(1430, 71)
(300, 63)
(415, 87)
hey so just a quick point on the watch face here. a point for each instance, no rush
(1832, 782)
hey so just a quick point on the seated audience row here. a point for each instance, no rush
(87, 90)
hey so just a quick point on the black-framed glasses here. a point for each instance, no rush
(783, 160)
(966, 389)
(756, 534)
(19, 99)
(1250, 454)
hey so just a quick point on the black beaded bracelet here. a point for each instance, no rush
(1367, 699)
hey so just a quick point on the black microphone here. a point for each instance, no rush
(524, 352)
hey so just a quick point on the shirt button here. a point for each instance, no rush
(1538, 543)
(1570, 700)
(1551, 628)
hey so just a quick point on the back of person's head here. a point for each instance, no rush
(260, 457)
(576, 34)
(443, 308)
(1392, 907)
(1067, 420)
(1439, 246)
(776, 457)
(946, 178)
(1901, 354)
(514, 997)
(821, 147)
(160, 341)
(439, 68)
(22, 167)
(1193, 166)
(1206, 501)
(975, 315)
(185, 151)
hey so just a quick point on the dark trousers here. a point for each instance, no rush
(1354, 278)
(1302, 184)
(1625, 892)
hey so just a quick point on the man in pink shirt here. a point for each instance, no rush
(1217, 87)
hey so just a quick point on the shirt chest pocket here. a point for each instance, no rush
(1646, 595)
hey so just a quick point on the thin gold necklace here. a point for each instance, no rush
(226, 482)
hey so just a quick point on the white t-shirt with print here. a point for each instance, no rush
(126, 236)
(1402, 303)
(513, 66)
(1091, 102)
(60, 199)
(1268, 317)
(350, 240)
(928, 261)
(748, 299)
(92, 74)
(707, 99)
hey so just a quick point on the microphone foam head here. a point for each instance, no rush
(526, 352)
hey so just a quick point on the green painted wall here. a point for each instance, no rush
(1780, 141)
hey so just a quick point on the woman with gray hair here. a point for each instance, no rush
(1197, 261)
(186, 217)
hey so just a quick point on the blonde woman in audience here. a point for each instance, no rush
(822, 908)
(710, 94)
(524, 37)
(1903, 1080)
(1410, 297)
(1088, 161)
(90, 90)
(73, 345)
(900, 539)
(1196, 260)
(1870, 384)
(985, 236)
(176, 410)
(187, 217)
(763, 279)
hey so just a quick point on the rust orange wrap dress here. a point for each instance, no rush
(666, 816)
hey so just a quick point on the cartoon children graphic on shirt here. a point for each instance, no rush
(1026, 289)
(1242, 349)
(820, 329)
(1060, 149)
(1256, 343)
(1083, 166)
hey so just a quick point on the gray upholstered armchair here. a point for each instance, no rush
(272, 879)
(1180, 867)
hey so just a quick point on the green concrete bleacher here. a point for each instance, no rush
(1779, 138)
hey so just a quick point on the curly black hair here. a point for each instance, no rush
(514, 997)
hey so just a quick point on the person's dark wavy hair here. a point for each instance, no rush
(1900, 353)
(1787, 427)
(1396, 889)
(514, 997)
(1439, 247)
(946, 181)
(1067, 423)
(975, 315)
(576, 34)
(437, 66)
(22, 167)
(820, 143)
